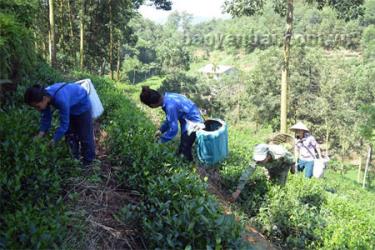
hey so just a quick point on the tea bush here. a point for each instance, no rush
(329, 213)
(32, 210)
(15, 44)
(291, 215)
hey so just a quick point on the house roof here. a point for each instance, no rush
(218, 69)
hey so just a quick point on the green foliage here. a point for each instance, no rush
(22, 10)
(291, 214)
(159, 49)
(182, 212)
(349, 213)
(330, 213)
(173, 58)
(130, 67)
(162, 4)
(319, 87)
(368, 127)
(16, 57)
(348, 226)
(33, 213)
(369, 13)
(242, 33)
(140, 59)
(368, 43)
(346, 9)
(180, 83)
(340, 28)
(322, 28)
(98, 21)
(263, 88)
(246, 7)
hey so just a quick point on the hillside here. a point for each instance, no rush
(272, 64)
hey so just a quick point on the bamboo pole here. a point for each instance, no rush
(81, 35)
(285, 69)
(367, 166)
(359, 170)
(52, 41)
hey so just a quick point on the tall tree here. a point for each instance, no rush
(285, 8)
(285, 69)
(81, 34)
(110, 38)
(52, 41)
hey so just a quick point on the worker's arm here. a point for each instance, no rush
(288, 158)
(244, 179)
(64, 111)
(172, 125)
(45, 121)
(164, 127)
(296, 154)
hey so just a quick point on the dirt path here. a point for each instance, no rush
(100, 198)
(256, 239)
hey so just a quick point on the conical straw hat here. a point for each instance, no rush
(299, 126)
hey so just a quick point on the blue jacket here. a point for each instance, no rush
(177, 108)
(71, 99)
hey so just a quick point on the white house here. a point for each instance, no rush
(215, 71)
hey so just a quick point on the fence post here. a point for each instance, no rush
(367, 166)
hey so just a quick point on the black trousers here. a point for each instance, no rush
(80, 137)
(186, 145)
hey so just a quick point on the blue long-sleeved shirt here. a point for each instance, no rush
(178, 108)
(71, 99)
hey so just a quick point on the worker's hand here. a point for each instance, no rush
(235, 195)
(293, 168)
(40, 135)
(157, 134)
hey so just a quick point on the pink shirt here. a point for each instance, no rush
(306, 147)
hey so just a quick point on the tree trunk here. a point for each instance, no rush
(238, 110)
(102, 67)
(81, 28)
(110, 38)
(118, 61)
(285, 69)
(72, 49)
(327, 142)
(367, 165)
(70, 21)
(35, 41)
(359, 170)
(328, 130)
(44, 49)
(52, 42)
(60, 28)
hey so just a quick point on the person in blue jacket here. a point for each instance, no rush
(178, 109)
(74, 107)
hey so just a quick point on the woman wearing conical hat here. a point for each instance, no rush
(305, 149)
